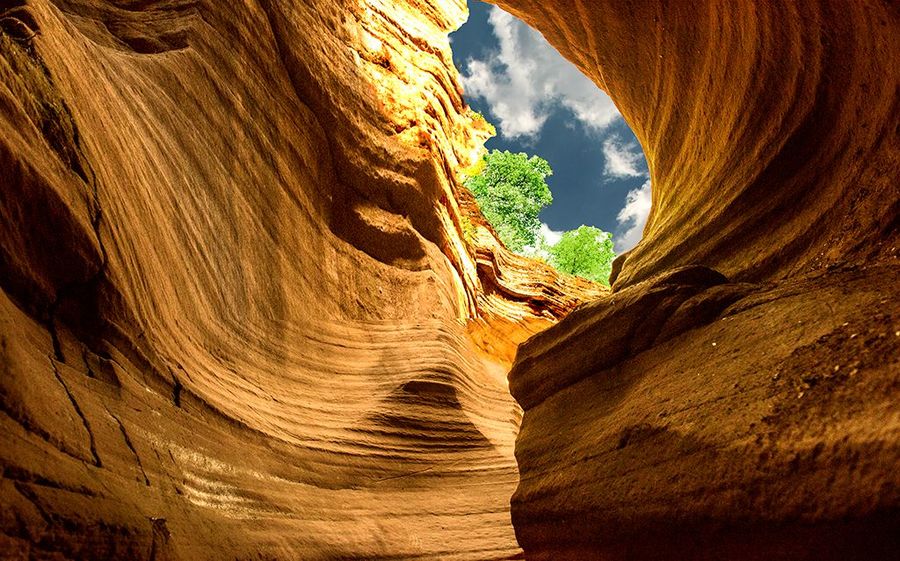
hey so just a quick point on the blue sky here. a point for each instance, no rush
(541, 104)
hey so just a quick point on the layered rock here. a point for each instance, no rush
(240, 318)
(703, 419)
(770, 132)
(743, 407)
(248, 311)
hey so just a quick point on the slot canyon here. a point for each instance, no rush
(250, 312)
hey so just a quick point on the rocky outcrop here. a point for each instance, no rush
(743, 407)
(240, 318)
(705, 419)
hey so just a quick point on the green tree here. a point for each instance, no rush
(586, 252)
(511, 190)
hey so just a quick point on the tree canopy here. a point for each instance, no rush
(586, 252)
(511, 190)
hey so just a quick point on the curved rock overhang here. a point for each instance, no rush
(770, 130)
(242, 317)
(735, 397)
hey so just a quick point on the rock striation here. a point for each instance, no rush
(249, 312)
(240, 317)
(735, 396)
(770, 131)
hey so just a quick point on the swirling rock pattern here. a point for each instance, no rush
(239, 317)
(248, 312)
(770, 131)
(743, 407)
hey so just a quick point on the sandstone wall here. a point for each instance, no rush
(242, 317)
(770, 130)
(735, 397)
(239, 316)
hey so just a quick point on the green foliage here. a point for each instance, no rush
(511, 190)
(586, 252)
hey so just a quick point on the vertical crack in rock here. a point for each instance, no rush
(131, 447)
(78, 411)
(25, 490)
(177, 387)
(160, 538)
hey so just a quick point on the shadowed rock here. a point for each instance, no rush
(241, 317)
(730, 420)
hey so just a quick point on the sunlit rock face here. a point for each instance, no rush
(247, 311)
(770, 132)
(736, 396)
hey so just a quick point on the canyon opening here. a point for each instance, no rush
(251, 310)
(541, 105)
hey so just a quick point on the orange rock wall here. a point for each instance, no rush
(770, 130)
(735, 396)
(239, 318)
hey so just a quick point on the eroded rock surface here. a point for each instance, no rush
(248, 312)
(240, 319)
(736, 396)
(715, 421)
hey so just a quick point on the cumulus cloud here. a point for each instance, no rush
(633, 217)
(623, 159)
(549, 236)
(526, 80)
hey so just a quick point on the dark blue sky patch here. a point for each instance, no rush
(585, 190)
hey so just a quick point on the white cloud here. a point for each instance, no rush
(526, 79)
(633, 217)
(623, 159)
(545, 238)
(549, 236)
